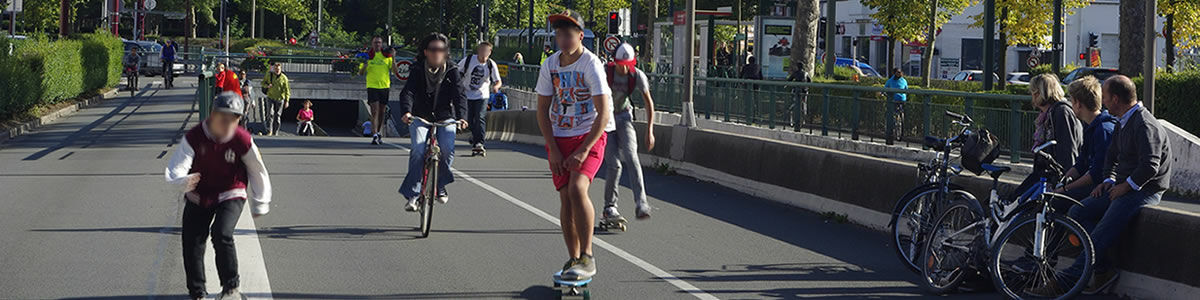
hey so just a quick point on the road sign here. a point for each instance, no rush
(13, 6)
(1033, 61)
(150, 4)
(611, 43)
(403, 66)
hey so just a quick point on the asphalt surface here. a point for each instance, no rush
(88, 215)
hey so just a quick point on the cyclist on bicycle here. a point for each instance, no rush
(431, 94)
(133, 63)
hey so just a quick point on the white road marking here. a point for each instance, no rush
(658, 272)
(252, 270)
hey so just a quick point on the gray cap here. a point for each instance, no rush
(229, 102)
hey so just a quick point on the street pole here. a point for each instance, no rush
(689, 74)
(389, 23)
(830, 32)
(253, 16)
(1056, 45)
(1148, 65)
(538, 56)
(320, 15)
(989, 44)
(137, 8)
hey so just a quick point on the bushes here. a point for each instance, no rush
(1173, 98)
(44, 72)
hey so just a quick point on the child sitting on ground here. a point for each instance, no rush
(304, 124)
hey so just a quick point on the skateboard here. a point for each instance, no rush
(568, 289)
(607, 224)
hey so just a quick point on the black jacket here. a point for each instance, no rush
(1066, 130)
(450, 102)
(1140, 152)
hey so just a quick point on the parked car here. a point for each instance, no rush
(151, 53)
(866, 69)
(1018, 78)
(972, 75)
(1100, 73)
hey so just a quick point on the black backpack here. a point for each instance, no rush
(979, 148)
(462, 74)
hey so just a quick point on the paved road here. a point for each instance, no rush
(87, 215)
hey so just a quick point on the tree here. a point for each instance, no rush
(916, 21)
(1025, 23)
(1132, 33)
(804, 36)
(1182, 28)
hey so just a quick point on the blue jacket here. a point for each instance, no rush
(897, 83)
(168, 52)
(1096, 137)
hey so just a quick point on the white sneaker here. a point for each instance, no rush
(611, 212)
(643, 211)
(412, 204)
(443, 197)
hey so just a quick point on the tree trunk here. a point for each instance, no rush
(930, 38)
(1169, 34)
(1133, 20)
(648, 40)
(64, 18)
(804, 36)
(1002, 59)
(191, 22)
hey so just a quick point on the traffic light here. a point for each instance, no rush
(821, 27)
(614, 22)
(1093, 40)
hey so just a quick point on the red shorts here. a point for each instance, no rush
(568, 145)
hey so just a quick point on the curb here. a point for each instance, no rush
(52, 117)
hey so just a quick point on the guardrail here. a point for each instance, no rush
(860, 112)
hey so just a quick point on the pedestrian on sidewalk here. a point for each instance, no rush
(217, 167)
(625, 80)
(480, 79)
(304, 120)
(248, 97)
(1097, 133)
(799, 97)
(278, 97)
(897, 101)
(168, 64)
(379, 69)
(574, 112)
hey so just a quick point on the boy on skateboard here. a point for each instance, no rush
(217, 167)
(625, 80)
(574, 112)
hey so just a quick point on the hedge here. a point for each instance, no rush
(1174, 100)
(41, 72)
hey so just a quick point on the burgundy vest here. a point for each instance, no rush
(222, 172)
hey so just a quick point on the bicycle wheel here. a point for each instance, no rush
(1061, 273)
(910, 224)
(428, 196)
(950, 248)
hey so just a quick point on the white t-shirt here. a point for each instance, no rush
(571, 89)
(478, 78)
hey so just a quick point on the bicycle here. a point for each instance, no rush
(916, 210)
(1023, 240)
(131, 79)
(430, 174)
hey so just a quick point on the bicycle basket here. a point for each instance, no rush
(979, 148)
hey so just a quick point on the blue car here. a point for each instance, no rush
(866, 69)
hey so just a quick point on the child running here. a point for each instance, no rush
(574, 112)
(304, 125)
(218, 167)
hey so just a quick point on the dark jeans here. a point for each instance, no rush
(1106, 219)
(168, 72)
(274, 112)
(198, 222)
(475, 111)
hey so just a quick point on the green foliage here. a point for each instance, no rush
(1028, 22)
(908, 20)
(1186, 14)
(1174, 98)
(1045, 68)
(42, 72)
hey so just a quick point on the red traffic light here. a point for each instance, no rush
(1083, 56)
(612, 16)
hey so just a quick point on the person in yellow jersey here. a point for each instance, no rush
(378, 69)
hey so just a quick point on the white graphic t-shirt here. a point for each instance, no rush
(478, 78)
(571, 89)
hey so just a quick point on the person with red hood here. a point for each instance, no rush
(227, 81)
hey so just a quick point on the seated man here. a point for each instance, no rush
(1136, 171)
(1097, 133)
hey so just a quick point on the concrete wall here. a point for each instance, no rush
(1185, 149)
(1159, 251)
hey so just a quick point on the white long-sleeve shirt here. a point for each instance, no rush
(258, 181)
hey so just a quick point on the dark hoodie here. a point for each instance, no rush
(1096, 137)
(417, 98)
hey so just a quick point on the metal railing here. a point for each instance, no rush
(857, 112)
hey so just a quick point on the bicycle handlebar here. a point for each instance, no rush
(438, 124)
(963, 119)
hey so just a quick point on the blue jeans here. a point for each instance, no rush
(419, 132)
(1105, 220)
(475, 110)
(621, 152)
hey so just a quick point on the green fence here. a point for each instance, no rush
(204, 94)
(856, 112)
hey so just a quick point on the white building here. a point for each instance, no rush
(960, 47)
